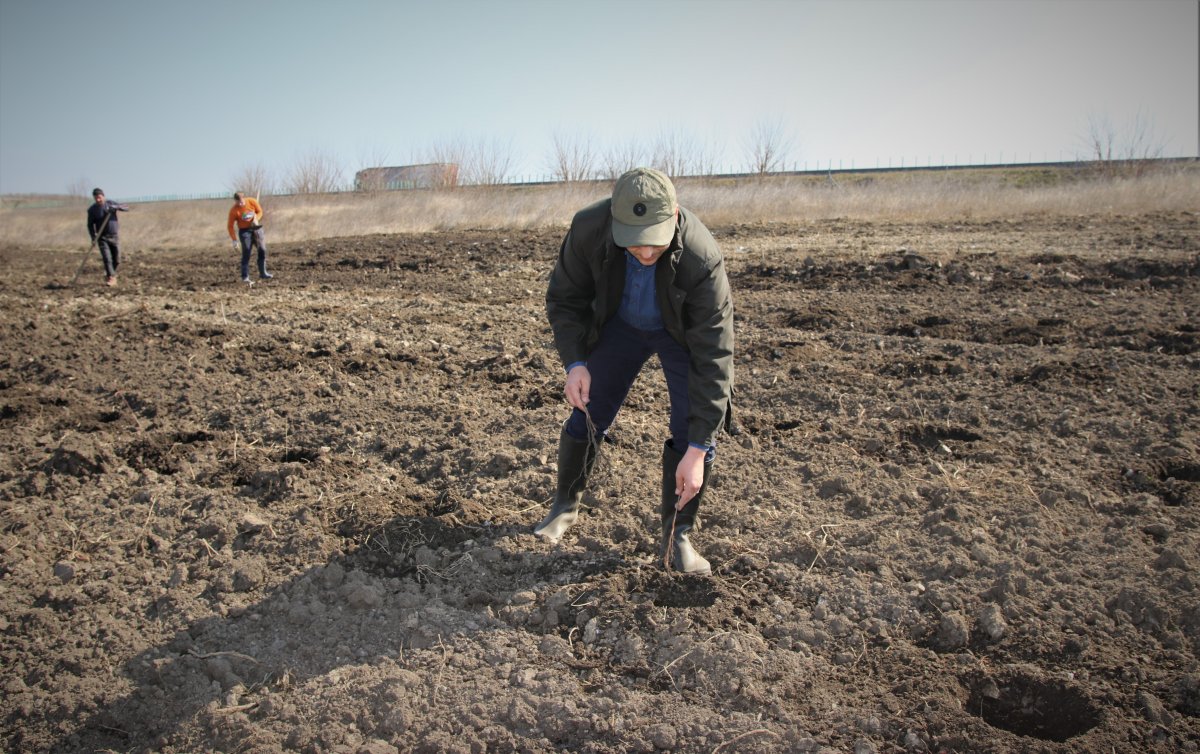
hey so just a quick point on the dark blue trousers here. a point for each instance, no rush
(615, 364)
(248, 239)
(110, 254)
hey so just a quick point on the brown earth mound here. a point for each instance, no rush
(961, 513)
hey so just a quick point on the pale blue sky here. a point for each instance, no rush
(147, 97)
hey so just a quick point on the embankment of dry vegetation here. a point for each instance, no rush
(920, 195)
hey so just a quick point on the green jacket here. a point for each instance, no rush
(693, 295)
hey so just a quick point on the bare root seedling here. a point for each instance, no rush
(449, 571)
(398, 541)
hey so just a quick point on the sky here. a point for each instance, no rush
(149, 98)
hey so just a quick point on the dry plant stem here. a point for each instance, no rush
(824, 539)
(577, 603)
(863, 653)
(667, 667)
(747, 734)
(670, 541)
(208, 655)
(132, 410)
(437, 676)
(140, 537)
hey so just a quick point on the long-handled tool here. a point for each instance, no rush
(88, 255)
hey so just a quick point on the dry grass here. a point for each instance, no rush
(925, 195)
(944, 195)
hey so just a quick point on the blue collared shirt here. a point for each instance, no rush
(639, 304)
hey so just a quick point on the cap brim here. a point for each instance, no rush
(659, 234)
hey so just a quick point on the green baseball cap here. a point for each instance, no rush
(643, 209)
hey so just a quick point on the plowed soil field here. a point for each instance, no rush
(960, 513)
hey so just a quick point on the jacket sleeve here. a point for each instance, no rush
(232, 222)
(91, 226)
(708, 313)
(569, 298)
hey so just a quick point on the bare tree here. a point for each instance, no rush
(80, 187)
(705, 158)
(446, 177)
(1101, 138)
(668, 153)
(315, 172)
(489, 162)
(253, 179)
(573, 158)
(677, 154)
(449, 151)
(1129, 151)
(622, 157)
(767, 147)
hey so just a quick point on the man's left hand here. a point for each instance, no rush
(689, 476)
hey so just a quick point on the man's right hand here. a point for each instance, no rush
(579, 387)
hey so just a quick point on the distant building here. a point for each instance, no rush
(432, 175)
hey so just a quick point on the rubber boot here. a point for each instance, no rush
(677, 525)
(576, 459)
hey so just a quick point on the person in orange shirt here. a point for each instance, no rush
(245, 228)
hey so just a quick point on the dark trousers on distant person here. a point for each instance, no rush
(253, 237)
(614, 365)
(109, 254)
